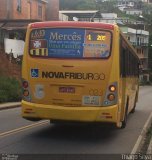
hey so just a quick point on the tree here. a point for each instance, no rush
(103, 6)
(77, 4)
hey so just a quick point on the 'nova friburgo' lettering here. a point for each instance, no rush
(72, 75)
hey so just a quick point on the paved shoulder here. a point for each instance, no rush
(9, 105)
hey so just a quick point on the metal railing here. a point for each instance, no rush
(139, 44)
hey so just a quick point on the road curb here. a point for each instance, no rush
(10, 105)
(137, 147)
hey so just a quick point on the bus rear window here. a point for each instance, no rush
(70, 43)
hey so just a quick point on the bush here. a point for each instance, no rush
(10, 90)
(150, 78)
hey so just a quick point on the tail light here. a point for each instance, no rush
(111, 95)
(26, 91)
(112, 88)
(25, 84)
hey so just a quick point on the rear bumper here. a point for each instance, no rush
(79, 114)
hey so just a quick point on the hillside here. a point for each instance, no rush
(107, 7)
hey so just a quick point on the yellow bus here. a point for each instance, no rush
(78, 72)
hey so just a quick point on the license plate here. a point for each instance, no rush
(66, 89)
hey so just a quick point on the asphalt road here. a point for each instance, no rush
(19, 136)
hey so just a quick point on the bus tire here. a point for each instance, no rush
(134, 108)
(124, 122)
(32, 119)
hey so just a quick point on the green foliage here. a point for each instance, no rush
(150, 78)
(147, 12)
(104, 7)
(77, 4)
(107, 6)
(86, 4)
(10, 90)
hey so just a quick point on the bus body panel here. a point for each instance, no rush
(92, 80)
(77, 114)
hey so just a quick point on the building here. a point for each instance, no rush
(79, 15)
(130, 6)
(92, 15)
(15, 15)
(133, 11)
(147, 1)
(109, 18)
(126, 3)
(23, 9)
(140, 40)
(40, 10)
(89, 15)
(29, 9)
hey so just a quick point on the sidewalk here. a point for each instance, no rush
(10, 105)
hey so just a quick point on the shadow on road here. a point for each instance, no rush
(76, 132)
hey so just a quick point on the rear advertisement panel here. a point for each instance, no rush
(70, 43)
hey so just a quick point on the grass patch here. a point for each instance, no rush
(10, 90)
(146, 141)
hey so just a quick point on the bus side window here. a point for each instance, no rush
(127, 63)
(122, 60)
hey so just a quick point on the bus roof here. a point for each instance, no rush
(72, 24)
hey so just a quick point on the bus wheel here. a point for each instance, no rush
(133, 110)
(124, 122)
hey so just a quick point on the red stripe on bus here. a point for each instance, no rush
(72, 24)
